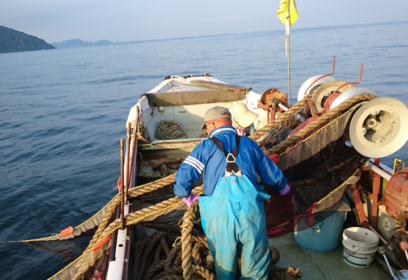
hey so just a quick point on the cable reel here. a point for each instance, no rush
(308, 82)
(324, 91)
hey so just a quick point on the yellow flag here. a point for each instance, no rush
(282, 12)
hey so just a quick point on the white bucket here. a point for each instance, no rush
(360, 245)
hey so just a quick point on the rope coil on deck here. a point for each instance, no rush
(169, 130)
(165, 165)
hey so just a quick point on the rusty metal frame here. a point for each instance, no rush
(335, 93)
(306, 95)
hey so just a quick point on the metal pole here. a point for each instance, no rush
(288, 42)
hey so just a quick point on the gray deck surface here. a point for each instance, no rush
(323, 265)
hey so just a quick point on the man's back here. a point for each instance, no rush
(208, 158)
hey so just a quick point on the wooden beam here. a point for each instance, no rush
(359, 206)
(376, 186)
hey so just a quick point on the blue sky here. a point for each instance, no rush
(131, 20)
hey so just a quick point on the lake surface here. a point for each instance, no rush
(62, 113)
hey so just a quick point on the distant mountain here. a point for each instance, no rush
(15, 41)
(78, 43)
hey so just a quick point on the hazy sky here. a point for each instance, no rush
(131, 20)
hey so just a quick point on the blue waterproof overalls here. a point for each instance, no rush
(233, 215)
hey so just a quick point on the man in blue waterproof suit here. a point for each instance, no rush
(231, 206)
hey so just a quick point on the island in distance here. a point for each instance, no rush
(77, 43)
(15, 41)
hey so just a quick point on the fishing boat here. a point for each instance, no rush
(328, 145)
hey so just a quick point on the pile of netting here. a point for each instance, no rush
(316, 161)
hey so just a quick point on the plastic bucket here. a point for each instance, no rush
(360, 245)
(323, 237)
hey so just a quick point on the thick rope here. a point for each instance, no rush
(170, 258)
(165, 246)
(186, 246)
(157, 209)
(171, 267)
(275, 255)
(177, 270)
(84, 265)
(151, 187)
(276, 122)
(319, 122)
(165, 164)
(203, 272)
(139, 249)
(169, 130)
(158, 252)
(147, 252)
(196, 254)
(171, 277)
(154, 268)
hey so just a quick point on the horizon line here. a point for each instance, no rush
(229, 34)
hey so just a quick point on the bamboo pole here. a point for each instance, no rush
(127, 170)
(288, 50)
(122, 205)
(135, 142)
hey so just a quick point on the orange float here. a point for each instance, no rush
(67, 231)
(100, 243)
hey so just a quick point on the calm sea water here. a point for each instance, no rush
(62, 113)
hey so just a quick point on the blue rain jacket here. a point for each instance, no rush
(207, 158)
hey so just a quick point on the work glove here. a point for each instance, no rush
(285, 190)
(190, 199)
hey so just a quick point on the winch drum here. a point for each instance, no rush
(379, 128)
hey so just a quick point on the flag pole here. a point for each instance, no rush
(288, 42)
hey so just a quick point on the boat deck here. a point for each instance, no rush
(323, 265)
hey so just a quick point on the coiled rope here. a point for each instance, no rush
(165, 165)
(169, 130)
(189, 260)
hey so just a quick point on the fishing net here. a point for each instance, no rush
(319, 168)
(315, 195)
